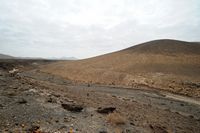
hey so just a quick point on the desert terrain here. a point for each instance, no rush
(169, 65)
(149, 88)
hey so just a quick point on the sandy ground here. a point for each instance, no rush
(31, 101)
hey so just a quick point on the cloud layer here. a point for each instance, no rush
(86, 28)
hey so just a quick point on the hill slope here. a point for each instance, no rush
(3, 56)
(164, 64)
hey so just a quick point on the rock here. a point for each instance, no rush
(51, 100)
(34, 129)
(22, 125)
(66, 119)
(13, 72)
(106, 110)
(102, 131)
(88, 85)
(158, 129)
(1, 106)
(22, 101)
(131, 123)
(72, 107)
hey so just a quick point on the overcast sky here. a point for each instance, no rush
(86, 28)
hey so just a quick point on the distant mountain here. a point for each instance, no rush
(62, 58)
(3, 56)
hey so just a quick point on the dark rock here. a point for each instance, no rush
(1, 106)
(191, 116)
(57, 95)
(158, 129)
(22, 101)
(131, 123)
(33, 129)
(106, 110)
(88, 85)
(72, 107)
(102, 131)
(51, 100)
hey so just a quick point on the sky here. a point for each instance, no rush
(87, 28)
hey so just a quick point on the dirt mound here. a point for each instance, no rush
(163, 64)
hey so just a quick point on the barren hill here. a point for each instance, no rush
(163, 64)
(3, 56)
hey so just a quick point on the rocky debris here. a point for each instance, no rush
(106, 110)
(72, 107)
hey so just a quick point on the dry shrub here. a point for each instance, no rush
(118, 130)
(116, 119)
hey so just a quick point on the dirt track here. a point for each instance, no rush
(32, 100)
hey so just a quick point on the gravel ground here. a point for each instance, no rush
(32, 101)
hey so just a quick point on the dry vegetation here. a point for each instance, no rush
(116, 118)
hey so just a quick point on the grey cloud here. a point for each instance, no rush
(85, 28)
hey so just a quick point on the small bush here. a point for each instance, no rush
(116, 119)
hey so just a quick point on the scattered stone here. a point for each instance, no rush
(106, 110)
(72, 107)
